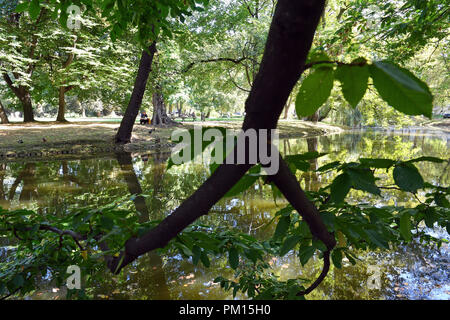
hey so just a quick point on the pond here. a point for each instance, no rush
(407, 272)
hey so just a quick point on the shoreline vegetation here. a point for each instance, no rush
(84, 139)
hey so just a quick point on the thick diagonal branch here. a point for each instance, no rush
(288, 184)
(288, 43)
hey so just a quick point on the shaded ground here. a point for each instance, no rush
(51, 139)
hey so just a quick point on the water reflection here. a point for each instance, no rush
(408, 272)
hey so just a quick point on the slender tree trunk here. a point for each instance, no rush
(2, 178)
(286, 111)
(180, 108)
(61, 105)
(286, 108)
(3, 115)
(126, 126)
(314, 117)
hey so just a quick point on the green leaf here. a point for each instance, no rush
(34, 9)
(282, 227)
(246, 182)
(319, 245)
(2, 288)
(364, 180)
(205, 260)
(304, 229)
(315, 56)
(401, 89)
(430, 217)
(353, 81)
(405, 226)
(328, 166)
(340, 187)
(314, 91)
(106, 223)
(21, 7)
(305, 253)
(377, 163)
(377, 239)
(233, 257)
(17, 281)
(350, 258)
(196, 253)
(407, 177)
(336, 257)
(441, 200)
(430, 159)
(289, 244)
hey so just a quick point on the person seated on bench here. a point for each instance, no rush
(144, 118)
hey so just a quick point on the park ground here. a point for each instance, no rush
(45, 139)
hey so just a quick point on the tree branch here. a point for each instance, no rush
(10, 84)
(235, 61)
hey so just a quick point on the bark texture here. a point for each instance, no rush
(126, 126)
(3, 115)
(160, 117)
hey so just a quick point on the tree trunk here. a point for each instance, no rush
(126, 126)
(160, 116)
(3, 115)
(61, 105)
(286, 108)
(286, 111)
(28, 115)
(324, 112)
(314, 117)
(180, 108)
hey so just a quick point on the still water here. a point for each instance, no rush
(407, 272)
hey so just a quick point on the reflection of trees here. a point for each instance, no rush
(147, 277)
(311, 177)
(2, 182)
(134, 187)
(29, 189)
(56, 185)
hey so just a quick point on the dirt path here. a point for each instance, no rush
(51, 139)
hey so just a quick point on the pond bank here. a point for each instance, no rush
(53, 140)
